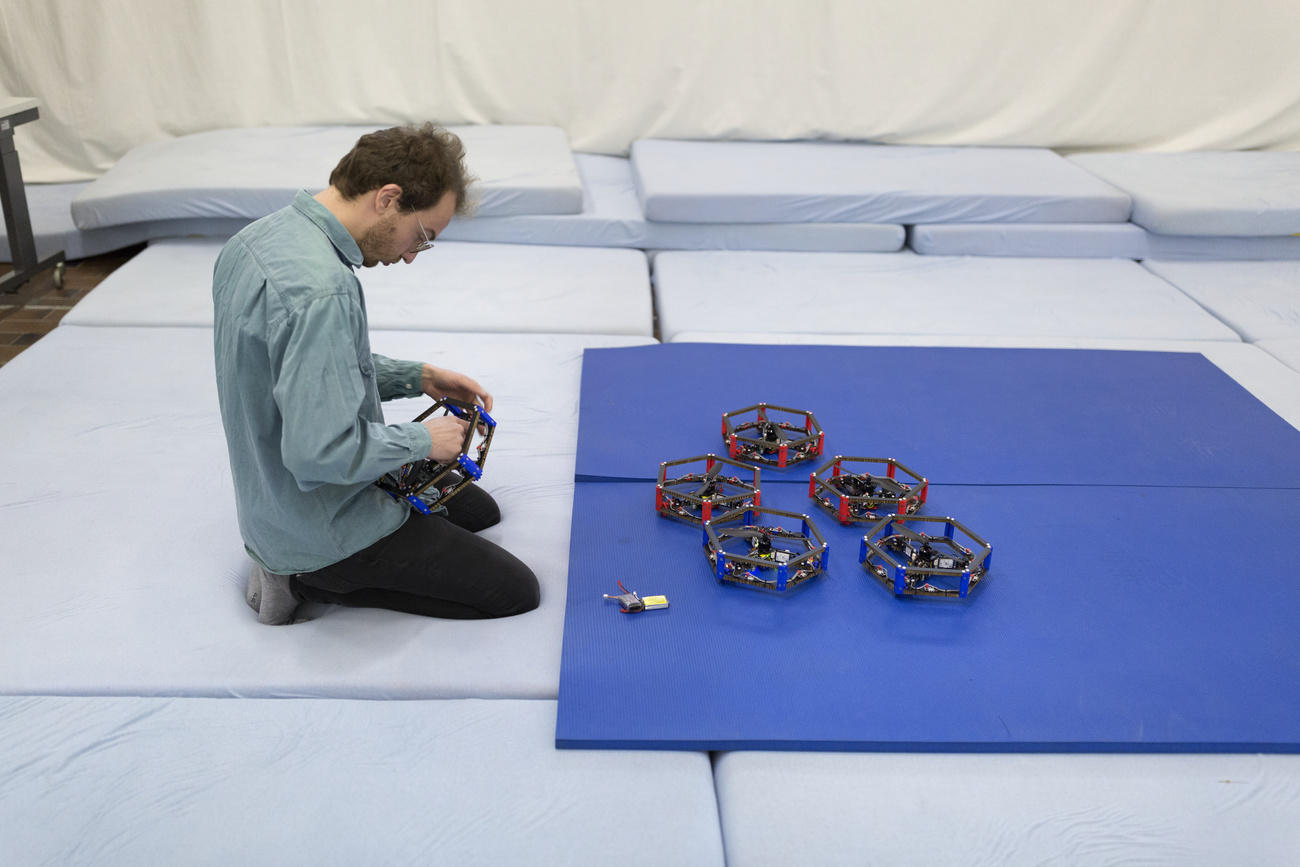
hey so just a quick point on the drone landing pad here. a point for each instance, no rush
(1143, 594)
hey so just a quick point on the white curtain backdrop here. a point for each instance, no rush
(1068, 74)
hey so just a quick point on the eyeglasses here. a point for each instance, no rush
(427, 243)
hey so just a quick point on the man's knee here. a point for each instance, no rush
(473, 509)
(525, 592)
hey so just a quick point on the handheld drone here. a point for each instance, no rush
(854, 497)
(768, 556)
(911, 562)
(426, 482)
(703, 493)
(778, 441)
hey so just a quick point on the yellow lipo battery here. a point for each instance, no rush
(654, 602)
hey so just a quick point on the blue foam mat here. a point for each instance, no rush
(1113, 619)
(955, 415)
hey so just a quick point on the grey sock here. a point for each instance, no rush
(253, 591)
(277, 602)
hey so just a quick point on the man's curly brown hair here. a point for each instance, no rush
(426, 161)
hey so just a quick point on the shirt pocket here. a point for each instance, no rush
(371, 409)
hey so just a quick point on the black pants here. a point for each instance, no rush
(432, 565)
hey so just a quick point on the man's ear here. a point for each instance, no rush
(387, 198)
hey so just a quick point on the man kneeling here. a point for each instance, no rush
(300, 395)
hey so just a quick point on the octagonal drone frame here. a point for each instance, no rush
(410, 481)
(696, 497)
(789, 567)
(854, 498)
(791, 442)
(905, 559)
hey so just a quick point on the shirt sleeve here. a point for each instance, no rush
(398, 378)
(322, 389)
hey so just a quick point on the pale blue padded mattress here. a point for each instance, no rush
(134, 781)
(251, 172)
(453, 287)
(1260, 300)
(1217, 193)
(1091, 240)
(776, 182)
(49, 207)
(906, 294)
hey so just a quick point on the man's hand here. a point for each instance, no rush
(439, 382)
(448, 435)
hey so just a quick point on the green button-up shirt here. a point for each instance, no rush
(300, 392)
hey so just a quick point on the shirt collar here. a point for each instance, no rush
(342, 240)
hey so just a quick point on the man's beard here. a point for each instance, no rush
(377, 242)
